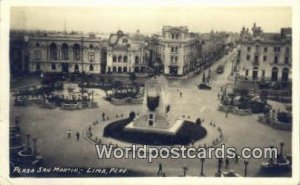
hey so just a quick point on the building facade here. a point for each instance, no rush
(125, 54)
(64, 53)
(178, 50)
(265, 56)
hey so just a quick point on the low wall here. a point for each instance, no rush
(76, 106)
(234, 110)
(126, 101)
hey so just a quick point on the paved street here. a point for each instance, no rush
(50, 127)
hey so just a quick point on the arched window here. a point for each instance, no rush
(65, 51)
(274, 76)
(91, 68)
(125, 69)
(53, 51)
(76, 51)
(114, 58)
(91, 46)
(125, 59)
(119, 69)
(285, 74)
(114, 69)
(76, 68)
(120, 58)
(254, 73)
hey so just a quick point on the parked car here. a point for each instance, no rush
(204, 86)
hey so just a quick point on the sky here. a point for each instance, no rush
(149, 19)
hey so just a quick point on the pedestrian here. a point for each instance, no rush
(226, 163)
(159, 169)
(77, 136)
(236, 158)
(180, 94)
(69, 133)
(220, 162)
(226, 113)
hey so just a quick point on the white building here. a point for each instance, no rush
(125, 54)
(178, 50)
(265, 56)
(64, 53)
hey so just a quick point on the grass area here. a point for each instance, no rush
(188, 133)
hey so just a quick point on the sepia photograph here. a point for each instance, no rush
(151, 91)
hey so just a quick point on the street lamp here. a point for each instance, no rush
(246, 162)
(34, 146)
(202, 164)
(281, 148)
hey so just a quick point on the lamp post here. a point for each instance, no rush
(28, 139)
(202, 164)
(281, 148)
(34, 145)
(246, 162)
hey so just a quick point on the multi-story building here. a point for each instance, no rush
(265, 56)
(178, 50)
(18, 54)
(64, 53)
(126, 54)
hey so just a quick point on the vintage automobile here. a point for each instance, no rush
(204, 86)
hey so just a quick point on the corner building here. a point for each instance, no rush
(178, 50)
(265, 56)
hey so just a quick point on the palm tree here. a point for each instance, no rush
(246, 162)
(202, 164)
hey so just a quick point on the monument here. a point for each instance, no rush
(156, 115)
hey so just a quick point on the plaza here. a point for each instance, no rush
(50, 127)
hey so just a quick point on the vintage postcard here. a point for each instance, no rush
(178, 93)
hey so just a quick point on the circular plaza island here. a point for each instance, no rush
(157, 124)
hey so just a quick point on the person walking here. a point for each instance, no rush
(226, 163)
(77, 136)
(180, 94)
(236, 158)
(69, 132)
(226, 113)
(159, 172)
